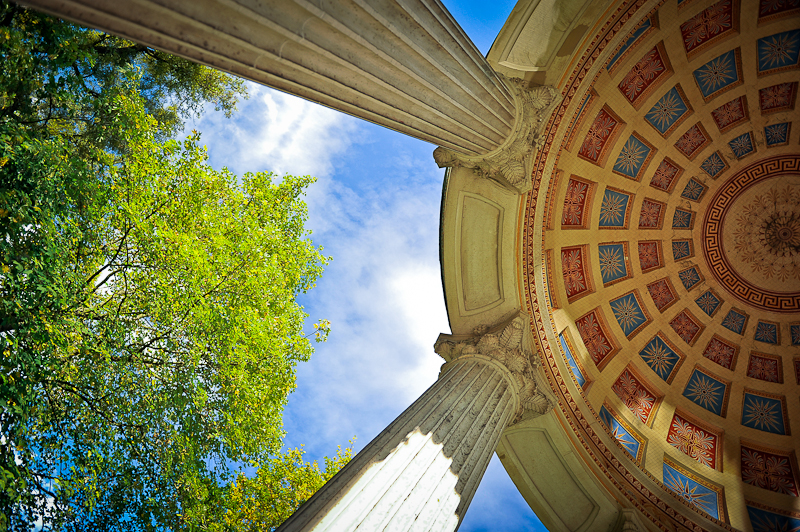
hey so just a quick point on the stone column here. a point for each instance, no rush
(404, 64)
(421, 472)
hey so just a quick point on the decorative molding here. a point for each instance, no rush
(627, 438)
(637, 394)
(629, 521)
(709, 27)
(504, 344)
(577, 203)
(510, 164)
(646, 76)
(695, 489)
(599, 342)
(601, 136)
(768, 468)
(576, 271)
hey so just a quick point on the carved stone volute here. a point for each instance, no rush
(511, 163)
(506, 345)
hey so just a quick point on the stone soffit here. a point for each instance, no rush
(658, 251)
(539, 31)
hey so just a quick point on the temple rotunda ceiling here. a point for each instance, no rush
(667, 298)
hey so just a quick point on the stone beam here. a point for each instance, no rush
(404, 64)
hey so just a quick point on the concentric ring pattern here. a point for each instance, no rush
(671, 231)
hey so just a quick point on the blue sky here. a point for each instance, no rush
(375, 210)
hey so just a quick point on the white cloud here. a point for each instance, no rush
(417, 292)
(277, 132)
(383, 295)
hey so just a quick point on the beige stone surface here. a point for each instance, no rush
(478, 246)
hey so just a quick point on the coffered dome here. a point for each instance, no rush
(667, 298)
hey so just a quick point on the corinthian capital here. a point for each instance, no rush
(511, 163)
(505, 344)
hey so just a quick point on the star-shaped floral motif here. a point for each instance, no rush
(716, 73)
(777, 50)
(762, 414)
(612, 210)
(705, 391)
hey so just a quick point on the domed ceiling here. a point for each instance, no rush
(667, 200)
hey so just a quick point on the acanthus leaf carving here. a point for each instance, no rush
(511, 163)
(507, 347)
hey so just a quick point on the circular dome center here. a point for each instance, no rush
(752, 234)
(782, 234)
(766, 232)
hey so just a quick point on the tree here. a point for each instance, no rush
(281, 484)
(148, 323)
(155, 330)
(58, 77)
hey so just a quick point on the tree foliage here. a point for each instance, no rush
(58, 77)
(281, 484)
(148, 323)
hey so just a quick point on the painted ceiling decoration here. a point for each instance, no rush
(674, 273)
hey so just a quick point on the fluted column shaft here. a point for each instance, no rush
(421, 472)
(403, 64)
